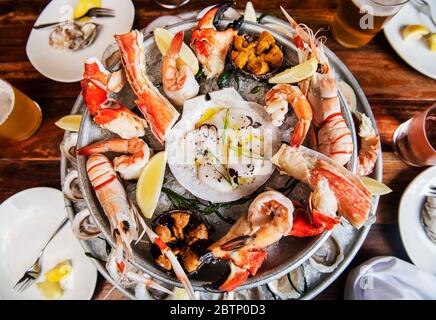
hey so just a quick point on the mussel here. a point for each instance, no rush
(186, 233)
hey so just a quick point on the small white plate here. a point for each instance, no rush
(27, 220)
(414, 51)
(64, 66)
(420, 249)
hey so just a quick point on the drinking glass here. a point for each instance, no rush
(171, 4)
(20, 116)
(414, 141)
(356, 22)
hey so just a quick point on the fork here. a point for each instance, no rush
(31, 274)
(93, 12)
(431, 8)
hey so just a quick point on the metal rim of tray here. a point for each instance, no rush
(361, 235)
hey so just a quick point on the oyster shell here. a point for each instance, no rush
(84, 227)
(71, 186)
(328, 256)
(428, 218)
(290, 286)
(72, 36)
(68, 148)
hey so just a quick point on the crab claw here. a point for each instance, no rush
(209, 44)
(308, 223)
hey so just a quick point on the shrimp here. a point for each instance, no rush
(157, 110)
(179, 84)
(123, 217)
(96, 85)
(276, 104)
(210, 45)
(128, 166)
(113, 199)
(333, 135)
(352, 199)
(269, 218)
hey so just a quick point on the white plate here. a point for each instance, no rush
(63, 66)
(415, 52)
(420, 249)
(27, 220)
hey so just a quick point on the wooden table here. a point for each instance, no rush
(395, 91)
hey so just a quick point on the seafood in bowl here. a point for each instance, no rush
(223, 161)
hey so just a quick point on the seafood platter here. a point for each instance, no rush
(226, 160)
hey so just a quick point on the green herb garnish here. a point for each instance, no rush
(223, 80)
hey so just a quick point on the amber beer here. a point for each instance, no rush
(356, 22)
(20, 116)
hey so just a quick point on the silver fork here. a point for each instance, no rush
(431, 8)
(93, 12)
(34, 271)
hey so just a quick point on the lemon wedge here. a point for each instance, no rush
(70, 122)
(414, 31)
(163, 39)
(59, 272)
(375, 187)
(83, 6)
(296, 74)
(150, 183)
(249, 13)
(50, 290)
(431, 40)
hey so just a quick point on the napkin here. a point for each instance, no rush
(389, 278)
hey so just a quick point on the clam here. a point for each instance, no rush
(84, 226)
(71, 188)
(68, 148)
(290, 286)
(328, 256)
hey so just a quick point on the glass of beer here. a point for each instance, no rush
(20, 116)
(356, 22)
(414, 141)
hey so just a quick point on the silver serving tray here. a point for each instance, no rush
(272, 269)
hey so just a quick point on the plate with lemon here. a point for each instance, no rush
(27, 220)
(412, 34)
(65, 65)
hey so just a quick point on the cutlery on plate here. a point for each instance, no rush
(34, 271)
(431, 6)
(91, 13)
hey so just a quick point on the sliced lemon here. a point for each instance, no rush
(59, 272)
(150, 183)
(249, 13)
(375, 187)
(70, 122)
(414, 31)
(431, 40)
(50, 290)
(163, 39)
(83, 6)
(296, 74)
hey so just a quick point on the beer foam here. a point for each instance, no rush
(6, 100)
(380, 8)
